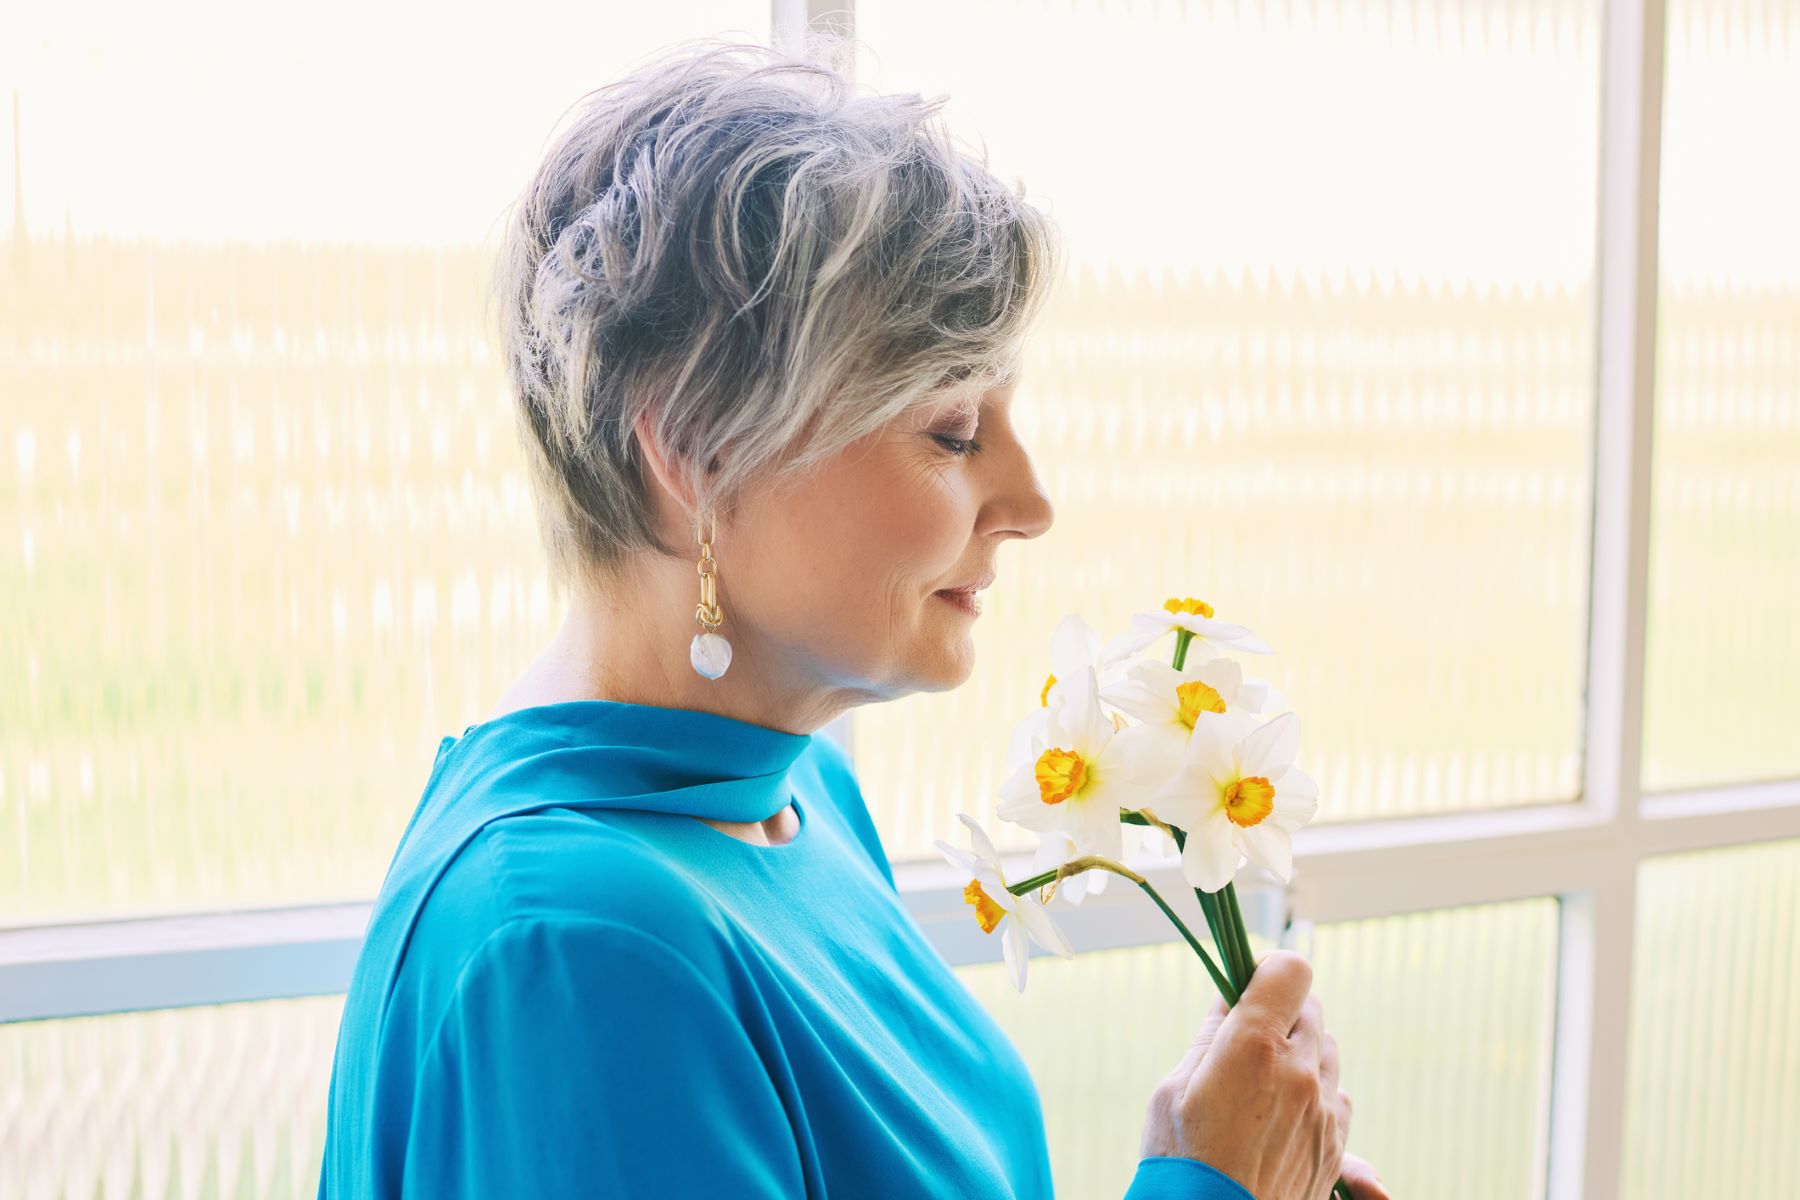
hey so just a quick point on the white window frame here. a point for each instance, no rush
(1586, 853)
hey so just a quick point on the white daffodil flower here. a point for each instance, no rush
(1195, 616)
(1167, 701)
(1075, 647)
(987, 894)
(1053, 850)
(1079, 769)
(1238, 794)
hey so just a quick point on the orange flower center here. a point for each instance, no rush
(1191, 606)
(1249, 800)
(987, 911)
(1196, 698)
(1060, 774)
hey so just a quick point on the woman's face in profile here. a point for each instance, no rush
(840, 570)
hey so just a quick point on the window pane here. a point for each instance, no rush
(264, 532)
(1324, 358)
(1714, 1087)
(1721, 701)
(221, 1100)
(1443, 1021)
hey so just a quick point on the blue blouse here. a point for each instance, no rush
(569, 987)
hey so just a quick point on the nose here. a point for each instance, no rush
(1021, 507)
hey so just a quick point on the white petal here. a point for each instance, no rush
(1209, 752)
(1096, 826)
(1224, 634)
(1022, 784)
(1026, 742)
(1035, 814)
(1145, 629)
(1270, 750)
(1256, 696)
(1186, 800)
(1209, 860)
(984, 845)
(1222, 675)
(1039, 925)
(1018, 955)
(1296, 799)
(1075, 888)
(1054, 848)
(1080, 723)
(1139, 762)
(960, 859)
(1269, 848)
(1146, 692)
(1074, 647)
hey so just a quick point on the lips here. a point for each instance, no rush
(973, 585)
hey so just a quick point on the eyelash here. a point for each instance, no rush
(959, 446)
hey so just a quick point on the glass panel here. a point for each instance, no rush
(1324, 358)
(264, 531)
(1443, 1021)
(1720, 701)
(1714, 1086)
(221, 1100)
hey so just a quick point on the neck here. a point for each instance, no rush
(630, 642)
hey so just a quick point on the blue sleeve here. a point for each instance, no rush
(1168, 1177)
(583, 1057)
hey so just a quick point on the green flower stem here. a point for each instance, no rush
(1208, 904)
(1217, 920)
(1090, 862)
(1239, 954)
(1235, 921)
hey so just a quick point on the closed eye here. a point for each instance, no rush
(958, 446)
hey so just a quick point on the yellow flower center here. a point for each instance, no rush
(1249, 800)
(1044, 696)
(1196, 698)
(987, 911)
(1191, 606)
(1060, 774)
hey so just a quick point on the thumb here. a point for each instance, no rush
(1360, 1176)
(1203, 1040)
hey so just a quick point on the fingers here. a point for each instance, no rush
(1308, 1036)
(1364, 1183)
(1328, 1064)
(1277, 990)
(1203, 1040)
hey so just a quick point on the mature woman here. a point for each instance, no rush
(640, 938)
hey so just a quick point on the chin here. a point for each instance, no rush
(948, 668)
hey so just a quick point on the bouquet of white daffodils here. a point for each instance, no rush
(1199, 765)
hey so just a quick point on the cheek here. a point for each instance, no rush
(862, 541)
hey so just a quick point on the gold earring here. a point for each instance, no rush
(709, 653)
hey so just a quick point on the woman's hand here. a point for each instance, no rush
(1256, 1095)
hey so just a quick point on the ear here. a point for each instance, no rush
(658, 462)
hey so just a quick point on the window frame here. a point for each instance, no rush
(1586, 853)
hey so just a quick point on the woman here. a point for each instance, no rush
(640, 937)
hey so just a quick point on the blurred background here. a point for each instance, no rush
(1329, 353)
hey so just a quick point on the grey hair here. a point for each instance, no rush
(770, 266)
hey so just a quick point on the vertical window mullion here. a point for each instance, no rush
(789, 21)
(1586, 1135)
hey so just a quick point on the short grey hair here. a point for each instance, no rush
(770, 264)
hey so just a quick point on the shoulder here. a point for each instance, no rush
(559, 874)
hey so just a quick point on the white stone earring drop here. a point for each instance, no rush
(709, 652)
